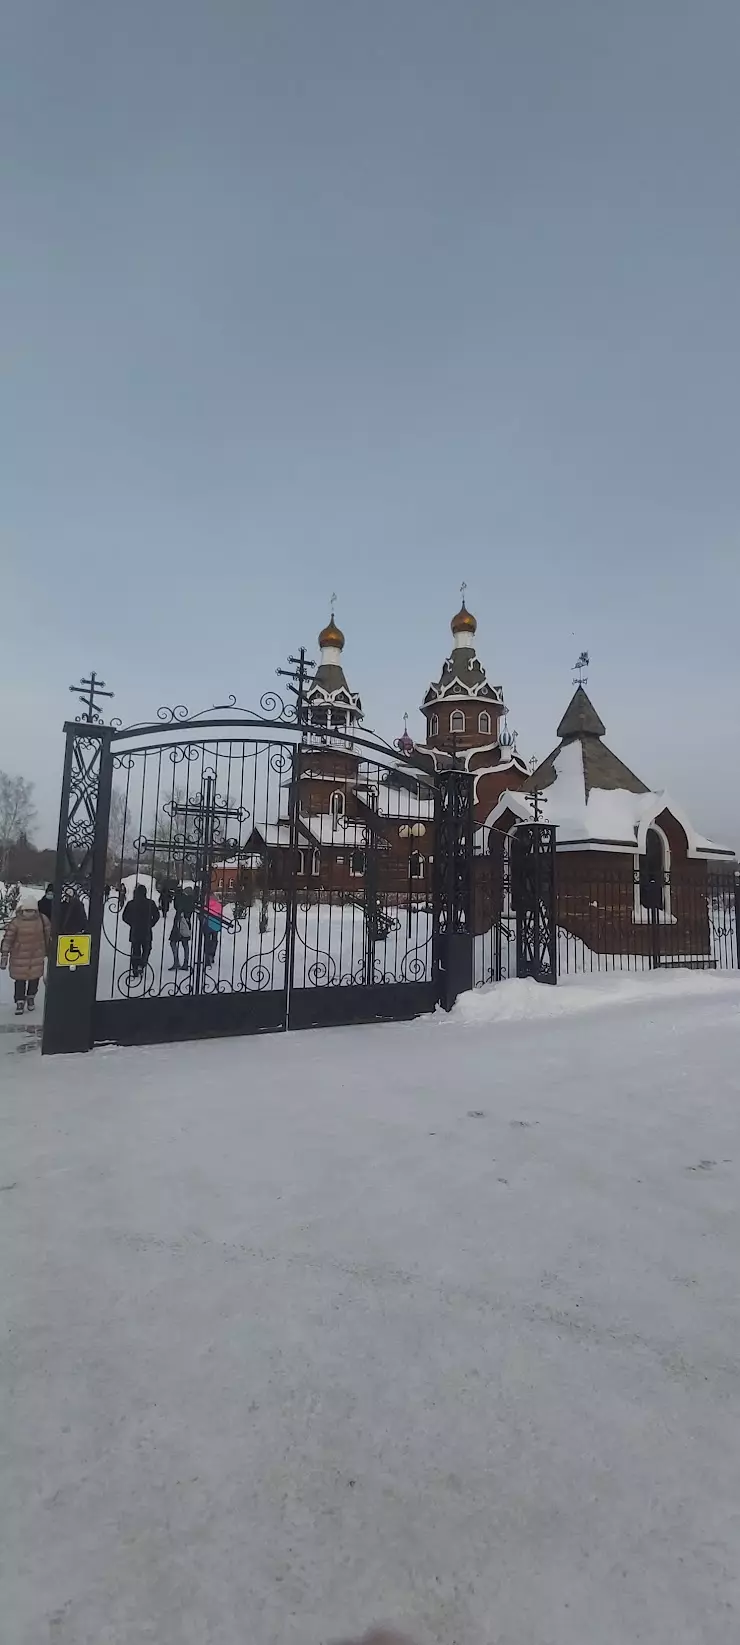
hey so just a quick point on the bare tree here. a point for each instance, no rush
(17, 814)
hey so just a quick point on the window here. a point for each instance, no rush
(337, 807)
(484, 722)
(457, 721)
(434, 726)
(416, 866)
(652, 872)
(357, 863)
(301, 862)
(316, 864)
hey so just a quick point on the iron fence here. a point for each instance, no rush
(621, 920)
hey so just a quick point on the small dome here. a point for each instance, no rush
(506, 737)
(331, 635)
(463, 622)
(405, 743)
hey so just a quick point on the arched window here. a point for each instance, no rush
(316, 864)
(416, 871)
(653, 872)
(484, 722)
(457, 721)
(301, 863)
(337, 807)
(434, 726)
(357, 863)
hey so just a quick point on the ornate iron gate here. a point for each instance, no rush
(514, 910)
(291, 871)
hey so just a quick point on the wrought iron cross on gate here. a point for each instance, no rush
(208, 815)
(87, 692)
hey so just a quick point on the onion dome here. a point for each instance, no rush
(405, 743)
(463, 622)
(331, 636)
(506, 737)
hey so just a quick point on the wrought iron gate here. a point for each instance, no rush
(291, 873)
(514, 909)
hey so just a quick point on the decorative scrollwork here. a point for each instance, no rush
(275, 708)
(171, 716)
(138, 983)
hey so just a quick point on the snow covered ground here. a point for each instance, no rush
(435, 1322)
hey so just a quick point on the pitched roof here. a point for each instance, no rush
(580, 718)
(601, 768)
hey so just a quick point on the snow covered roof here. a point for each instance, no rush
(600, 819)
(398, 802)
(323, 830)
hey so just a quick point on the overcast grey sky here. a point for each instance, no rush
(374, 295)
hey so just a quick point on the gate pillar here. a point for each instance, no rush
(82, 845)
(453, 860)
(533, 895)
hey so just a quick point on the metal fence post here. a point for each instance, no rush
(82, 845)
(453, 884)
(533, 875)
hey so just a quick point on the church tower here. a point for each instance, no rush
(461, 709)
(331, 706)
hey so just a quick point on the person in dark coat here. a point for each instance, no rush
(165, 899)
(45, 903)
(140, 916)
(72, 916)
(121, 896)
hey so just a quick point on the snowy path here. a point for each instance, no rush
(434, 1322)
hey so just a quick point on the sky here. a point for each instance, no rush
(374, 296)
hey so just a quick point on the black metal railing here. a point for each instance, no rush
(623, 920)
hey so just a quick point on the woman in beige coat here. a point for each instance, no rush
(25, 946)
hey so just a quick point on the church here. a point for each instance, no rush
(361, 813)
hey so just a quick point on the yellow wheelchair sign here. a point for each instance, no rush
(73, 951)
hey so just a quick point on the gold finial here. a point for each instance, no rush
(463, 622)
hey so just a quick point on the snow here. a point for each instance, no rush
(517, 1000)
(614, 815)
(330, 945)
(417, 1322)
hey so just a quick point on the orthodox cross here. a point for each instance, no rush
(208, 814)
(86, 692)
(297, 674)
(535, 797)
(463, 587)
(580, 672)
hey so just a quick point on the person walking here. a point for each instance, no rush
(45, 903)
(72, 915)
(140, 916)
(212, 922)
(121, 896)
(180, 936)
(25, 949)
(165, 901)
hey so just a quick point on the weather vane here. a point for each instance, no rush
(580, 673)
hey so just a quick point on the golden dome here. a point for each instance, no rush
(331, 635)
(463, 622)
